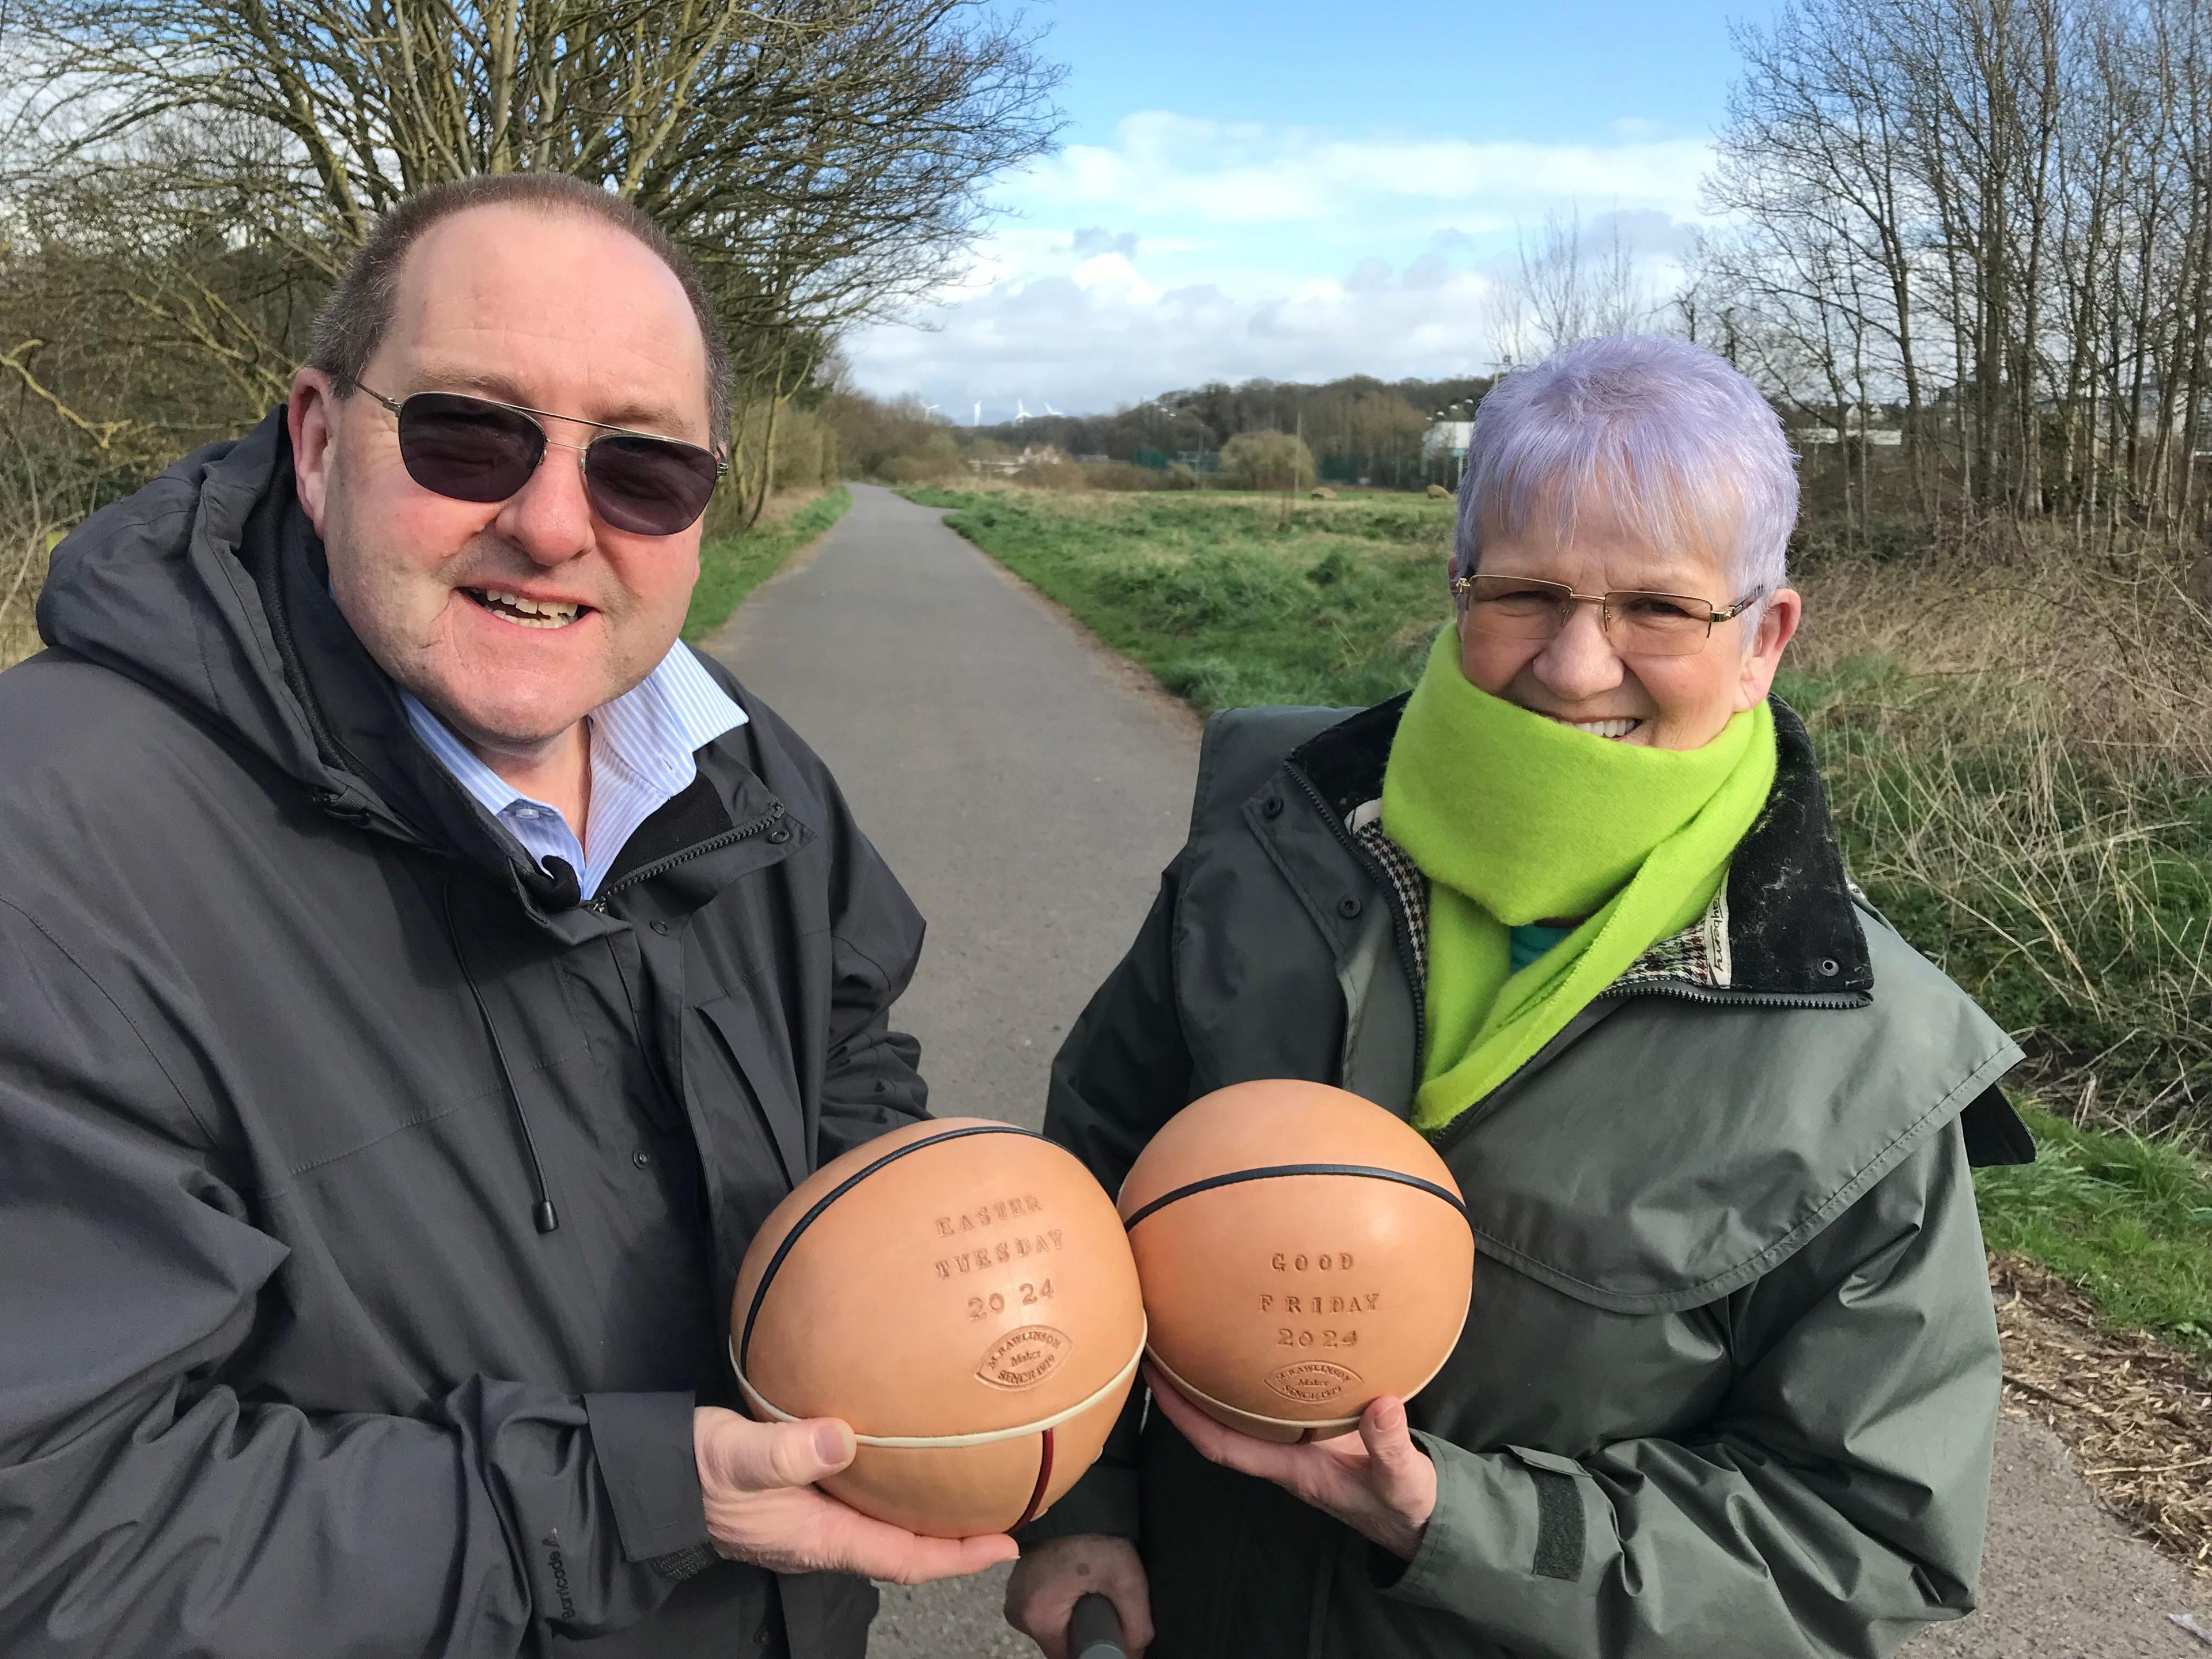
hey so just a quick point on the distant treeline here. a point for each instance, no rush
(1357, 428)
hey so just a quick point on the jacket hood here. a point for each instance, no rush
(210, 588)
(160, 588)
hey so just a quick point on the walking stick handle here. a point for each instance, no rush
(1094, 1630)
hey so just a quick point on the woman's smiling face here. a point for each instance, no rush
(1578, 677)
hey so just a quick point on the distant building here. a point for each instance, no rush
(1443, 448)
(1880, 437)
(1031, 455)
(1447, 440)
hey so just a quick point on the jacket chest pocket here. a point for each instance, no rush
(737, 1061)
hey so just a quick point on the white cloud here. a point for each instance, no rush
(1097, 239)
(1190, 249)
(1244, 173)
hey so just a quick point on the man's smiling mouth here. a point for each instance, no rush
(526, 612)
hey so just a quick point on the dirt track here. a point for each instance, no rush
(1027, 787)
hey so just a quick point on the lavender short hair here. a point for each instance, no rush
(1683, 445)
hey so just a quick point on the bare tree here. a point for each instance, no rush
(205, 167)
(1998, 214)
(1566, 286)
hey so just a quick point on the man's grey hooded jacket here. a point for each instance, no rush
(299, 1057)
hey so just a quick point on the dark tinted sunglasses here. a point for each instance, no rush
(472, 449)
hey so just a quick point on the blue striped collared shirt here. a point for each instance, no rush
(644, 754)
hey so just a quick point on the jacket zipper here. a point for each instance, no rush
(1401, 925)
(1688, 992)
(661, 867)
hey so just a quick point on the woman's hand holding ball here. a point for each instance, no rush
(1378, 1482)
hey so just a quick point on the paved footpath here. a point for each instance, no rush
(1027, 785)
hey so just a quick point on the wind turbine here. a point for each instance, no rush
(978, 420)
(1021, 411)
(1049, 409)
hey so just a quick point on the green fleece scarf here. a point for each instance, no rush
(1515, 818)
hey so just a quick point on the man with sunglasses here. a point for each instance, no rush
(419, 976)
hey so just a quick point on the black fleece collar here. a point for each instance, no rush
(1793, 929)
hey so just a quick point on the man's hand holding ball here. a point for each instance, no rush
(762, 1506)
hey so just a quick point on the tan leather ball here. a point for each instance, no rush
(961, 1293)
(1303, 1252)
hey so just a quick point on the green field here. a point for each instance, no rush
(1229, 599)
(2072, 902)
(731, 566)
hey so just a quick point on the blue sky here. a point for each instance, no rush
(1302, 191)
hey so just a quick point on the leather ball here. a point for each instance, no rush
(961, 1294)
(1303, 1252)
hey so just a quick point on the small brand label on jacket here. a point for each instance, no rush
(552, 1545)
(1023, 1358)
(1312, 1381)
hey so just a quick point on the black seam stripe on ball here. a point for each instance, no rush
(1271, 1173)
(768, 1274)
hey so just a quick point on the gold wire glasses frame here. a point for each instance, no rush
(721, 462)
(478, 449)
(1637, 623)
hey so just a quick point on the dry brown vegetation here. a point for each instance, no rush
(2137, 1416)
(2023, 729)
(33, 512)
(2118, 640)
(20, 586)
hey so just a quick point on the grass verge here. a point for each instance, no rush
(1233, 600)
(731, 566)
(2058, 865)
(2126, 1219)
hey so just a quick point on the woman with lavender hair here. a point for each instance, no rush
(1575, 907)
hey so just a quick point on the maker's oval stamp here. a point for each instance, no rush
(1312, 1381)
(1023, 1358)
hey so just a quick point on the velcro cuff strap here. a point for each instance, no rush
(1559, 1541)
(679, 1565)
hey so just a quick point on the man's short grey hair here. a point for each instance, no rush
(357, 315)
(1682, 445)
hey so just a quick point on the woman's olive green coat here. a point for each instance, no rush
(1729, 1380)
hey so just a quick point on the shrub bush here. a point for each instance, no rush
(1266, 460)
